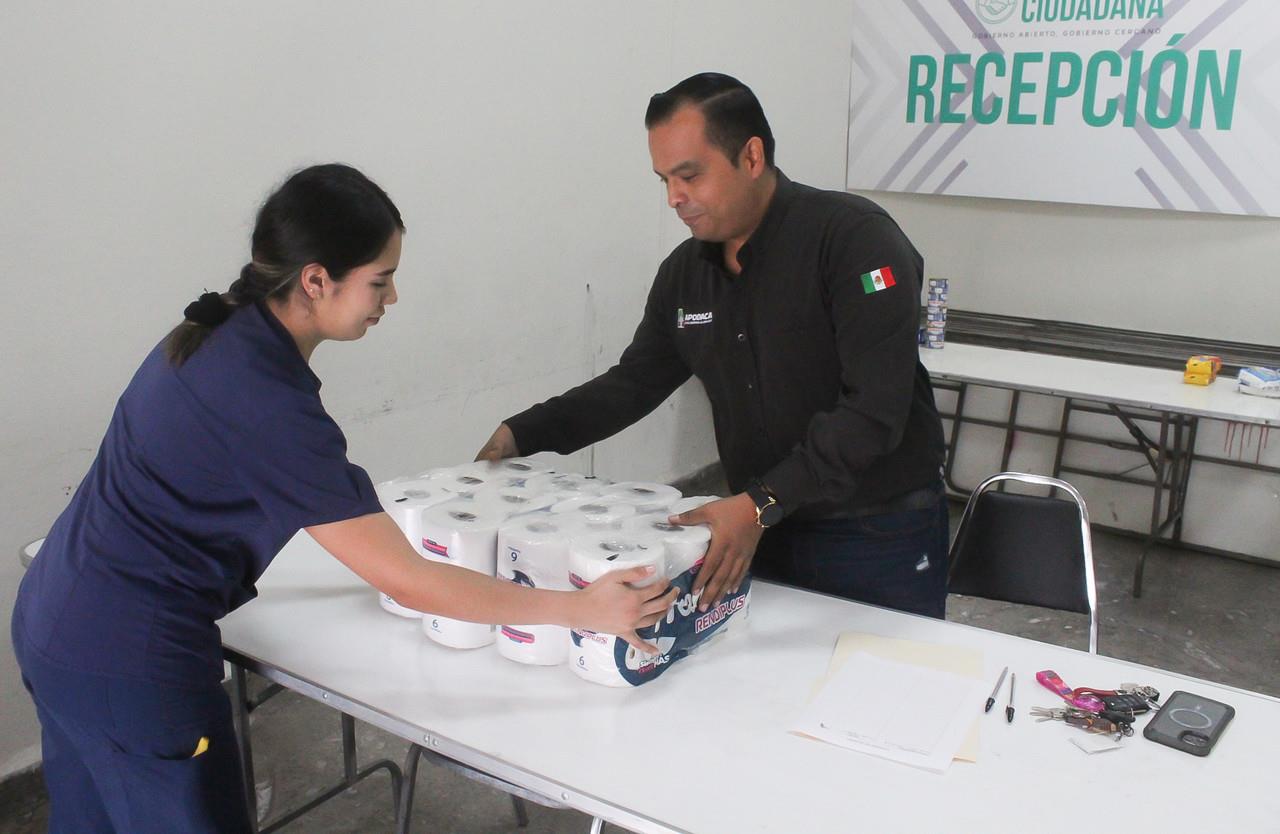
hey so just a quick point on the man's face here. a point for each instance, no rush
(709, 193)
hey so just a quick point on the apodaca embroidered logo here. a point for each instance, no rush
(684, 319)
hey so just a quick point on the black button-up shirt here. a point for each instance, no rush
(809, 357)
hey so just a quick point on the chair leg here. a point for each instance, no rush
(522, 812)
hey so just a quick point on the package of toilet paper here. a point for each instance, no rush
(609, 660)
(463, 533)
(533, 551)
(405, 500)
(594, 655)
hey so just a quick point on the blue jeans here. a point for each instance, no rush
(895, 559)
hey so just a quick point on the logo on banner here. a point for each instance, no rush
(994, 11)
(684, 319)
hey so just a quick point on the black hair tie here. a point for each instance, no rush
(209, 309)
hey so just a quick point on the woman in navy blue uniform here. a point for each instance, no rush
(217, 453)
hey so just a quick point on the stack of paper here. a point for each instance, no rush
(908, 702)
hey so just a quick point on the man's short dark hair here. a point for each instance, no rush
(732, 111)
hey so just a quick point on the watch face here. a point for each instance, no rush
(771, 515)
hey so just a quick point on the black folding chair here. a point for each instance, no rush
(1027, 549)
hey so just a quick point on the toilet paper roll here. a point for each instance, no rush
(594, 509)
(534, 551)
(514, 501)
(519, 468)
(642, 492)
(684, 546)
(692, 502)
(595, 655)
(465, 534)
(405, 500)
(572, 483)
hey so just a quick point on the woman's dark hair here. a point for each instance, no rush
(732, 111)
(331, 215)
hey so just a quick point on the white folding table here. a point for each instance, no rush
(706, 747)
(1133, 394)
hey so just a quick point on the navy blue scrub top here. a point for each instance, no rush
(204, 474)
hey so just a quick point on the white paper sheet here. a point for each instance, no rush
(898, 711)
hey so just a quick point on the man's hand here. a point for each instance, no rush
(734, 536)
(501, 445)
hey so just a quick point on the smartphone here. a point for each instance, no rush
(1190, 723)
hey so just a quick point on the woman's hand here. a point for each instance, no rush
(613, 606)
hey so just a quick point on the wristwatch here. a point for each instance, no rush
(768, 510)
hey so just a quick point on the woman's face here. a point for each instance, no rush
(358, 301)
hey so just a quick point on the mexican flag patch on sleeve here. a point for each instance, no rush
(877, 279)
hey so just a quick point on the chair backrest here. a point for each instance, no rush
(1027, 549)
(28, 551)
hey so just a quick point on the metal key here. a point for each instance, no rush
(1083, 719)
(1150, 693)
(1049, 714)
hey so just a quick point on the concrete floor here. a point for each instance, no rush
(1201, 615)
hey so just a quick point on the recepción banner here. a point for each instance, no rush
(1166, 104)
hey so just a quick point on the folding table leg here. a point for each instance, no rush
(405, 809)
(240, 721)
(597, 825)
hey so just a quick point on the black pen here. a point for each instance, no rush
(1008, 711)
(992, 700)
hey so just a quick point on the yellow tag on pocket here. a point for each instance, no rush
(201, 746)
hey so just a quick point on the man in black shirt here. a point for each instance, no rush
(798, 311)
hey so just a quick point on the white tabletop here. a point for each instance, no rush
(705, 748)
(1067, 376)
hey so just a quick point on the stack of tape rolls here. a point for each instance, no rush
(405, 500)
(464, 534)
(534, 551)
(597, 511)
(596, 656)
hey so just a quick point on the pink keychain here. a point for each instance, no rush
(1049, 680)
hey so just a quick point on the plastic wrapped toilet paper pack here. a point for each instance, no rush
(596, 656)
(464, 534)
(534, 551)
(684, 629)
(405, 500)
